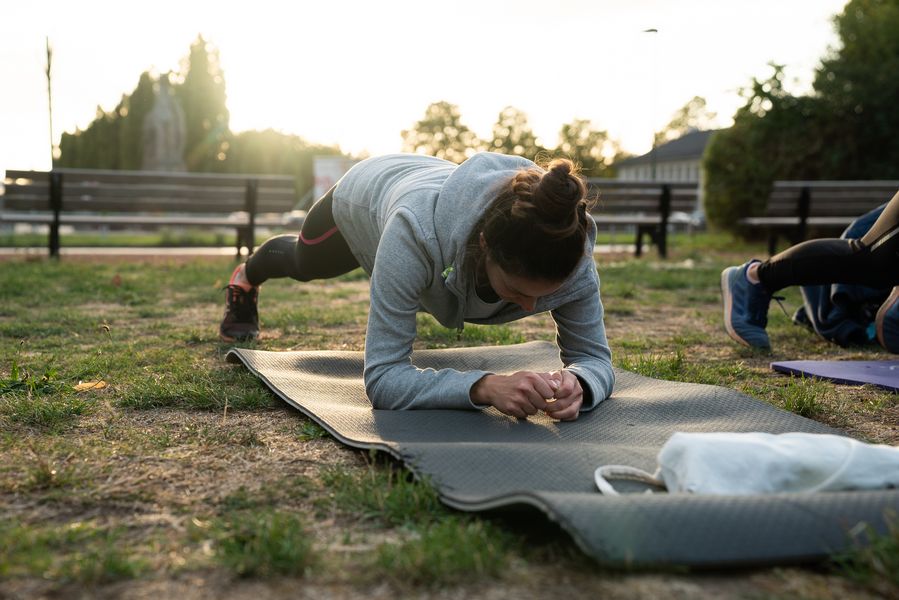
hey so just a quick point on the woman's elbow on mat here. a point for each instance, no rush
(379, 394)
(387, 389)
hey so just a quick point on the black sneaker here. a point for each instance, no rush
(241, 322)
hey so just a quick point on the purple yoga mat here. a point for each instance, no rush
(882, 373)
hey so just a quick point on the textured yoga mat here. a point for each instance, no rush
(482, 459)
(882, 373)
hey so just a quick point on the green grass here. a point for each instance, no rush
(875, 559)
(47, 413)
(80, 553)
(180, 432)
(197, 391)
(433, 335)
(310, 430)
(386, 495)
(446, 553)
(803, 396)
(38, 398)
(259, 544)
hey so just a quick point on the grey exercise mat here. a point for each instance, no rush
(483, 460)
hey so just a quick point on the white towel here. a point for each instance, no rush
(763, 463)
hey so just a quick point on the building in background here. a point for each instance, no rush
(675, 161)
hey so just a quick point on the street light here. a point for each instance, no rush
(50, 102)
(652, 103)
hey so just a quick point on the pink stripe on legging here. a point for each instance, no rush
(320, 238)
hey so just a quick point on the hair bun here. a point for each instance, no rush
(560, 192)
(537, 225)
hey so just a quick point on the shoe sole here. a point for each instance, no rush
(728, 301)
(882, 313)
(231, 339)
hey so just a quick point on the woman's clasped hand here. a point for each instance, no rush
(559, 394)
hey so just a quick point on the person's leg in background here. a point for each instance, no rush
(318, 252)
(870, 260)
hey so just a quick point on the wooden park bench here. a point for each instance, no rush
(649, 207)
(144, 199)
(795, 207)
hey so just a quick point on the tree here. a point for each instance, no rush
(202, 96)
(774, 135)
(114, 140)
(513, 135)
(441, 133)
(845, 130)
(274, 153)
(96, 147)
(691, 116)
(131, 111)
(590, 148)
(858, 87)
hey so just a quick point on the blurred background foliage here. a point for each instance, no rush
(113, 140)
(846, 128)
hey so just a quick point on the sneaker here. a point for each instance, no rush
(886, 323)
(241, 320)
(745, 307)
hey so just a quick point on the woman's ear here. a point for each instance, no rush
(481, 241)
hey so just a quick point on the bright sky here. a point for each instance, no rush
(357, 72)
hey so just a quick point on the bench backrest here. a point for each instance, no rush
(147, 191)
(640, 197)
(829, 198)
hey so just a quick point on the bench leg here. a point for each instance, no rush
(53, 242)
(56, 207)
(239, 242)
(662, 241)
(638, 243)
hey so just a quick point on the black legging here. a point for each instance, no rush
(319, 252)
(872, 260)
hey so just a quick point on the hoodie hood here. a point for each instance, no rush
(463, 198)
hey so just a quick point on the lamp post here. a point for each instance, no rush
(652, 101)
(50, 103)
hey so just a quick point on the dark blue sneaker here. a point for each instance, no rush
(886, 323)
(745, 307)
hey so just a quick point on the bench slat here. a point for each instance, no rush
(831, 205)
(237, 220)
(156, 196)
(148, 199)
(164, 178)
(20, 197)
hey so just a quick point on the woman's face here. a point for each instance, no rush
(518, 290)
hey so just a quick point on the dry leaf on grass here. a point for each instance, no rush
(84, 386)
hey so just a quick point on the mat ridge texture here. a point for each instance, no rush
(482, 459)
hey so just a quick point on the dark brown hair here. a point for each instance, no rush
(537, 225)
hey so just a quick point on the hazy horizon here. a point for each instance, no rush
(355, 74)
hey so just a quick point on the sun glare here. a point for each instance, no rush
(357, 73)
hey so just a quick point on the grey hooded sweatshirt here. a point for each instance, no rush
(407, 219)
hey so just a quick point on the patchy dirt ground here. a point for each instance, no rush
(154, 474)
